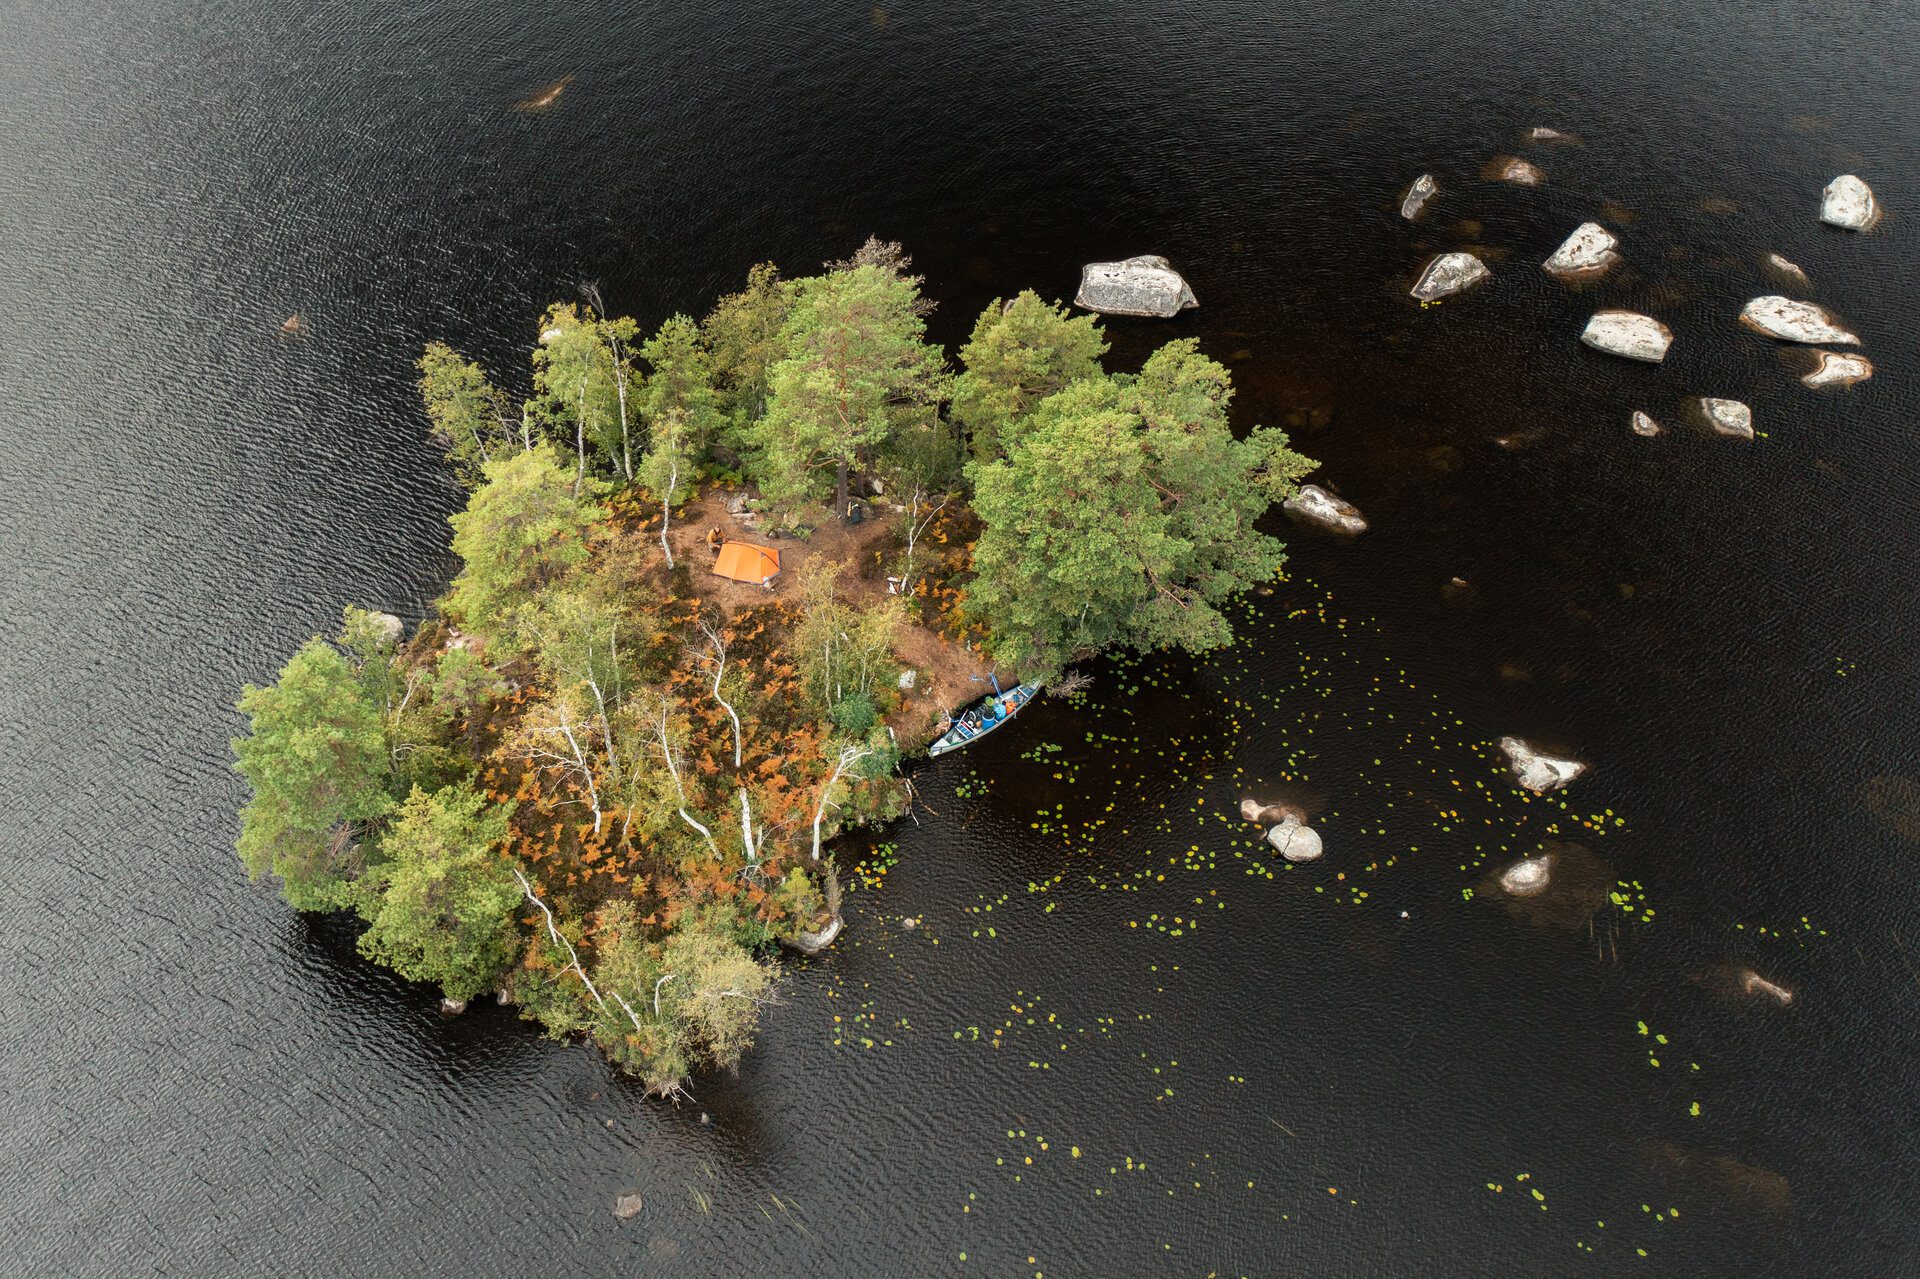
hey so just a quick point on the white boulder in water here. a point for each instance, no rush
(1629, 334)
(1537, 772)
(1588, 251)
(1295, 842)
(1447, 275)
(391, 628)
(1642, 424)
(1527, 878)
(1315, 505)
(1788, 268)
(1542, 133)
(1848, 203)
(1424, 188)
(1145, 286)
(1728, 417)
(1794, 321)
(1839, 368)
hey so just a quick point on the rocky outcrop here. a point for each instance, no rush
(1527, 878)
(1508, 168)
(1839, 368)
(1795, 321)
(813, 943)
(1644, 425)
(1788, 268)
(1728, 417)
(1588, 251)
(1537, 772)
(1629, 334)
(1295, 842)
(1848, 203)
(1314, 505)
(1424, 188)
(1143, 286)
(1447, 275)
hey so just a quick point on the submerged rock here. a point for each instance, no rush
(1144, 286)
(1753, 983)
(1447, 275)
(1588, 251)
(1424, 188)
(1268, 814)
(1563, 886)
(1787, 268)
(1629, 334)
(1295, 842)
(1848, 203)
(1644, 425)
(1509, 168)
(1795, 321)
(1537, 772)
(1728, 417)
(1314, 505)
(1527, 878)
(1839, 368)
(628, 1206)
(1894, 802)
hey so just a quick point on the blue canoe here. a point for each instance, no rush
(974, 724)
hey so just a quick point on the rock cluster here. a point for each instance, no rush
(1314, 505)
(1628, 334)
(1795, 321)
(1424, 188)
(1588, 251)
(1838, 368)
(1848, 203)
(1142, 286)
(1728, 417)
(1294, 841)
(1527, 878)
(1536, 771)
(1449, 274)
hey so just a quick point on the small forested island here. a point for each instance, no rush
(599, 778)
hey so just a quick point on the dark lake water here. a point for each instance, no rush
(1216, 1064)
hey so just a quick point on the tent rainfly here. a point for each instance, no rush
(744, 562)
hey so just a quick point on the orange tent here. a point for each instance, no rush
(744, 562)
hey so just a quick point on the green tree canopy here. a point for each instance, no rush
(522, 530)
(471, 418)
(317, 762)
(680, 384)
(1020, 353)
(439, 903)
(859, 364)
(1123, 513)
(745, 336)
(577, 390)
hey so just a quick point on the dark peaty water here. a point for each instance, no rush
(1217, 1065)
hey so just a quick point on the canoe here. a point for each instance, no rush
(973, 724)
